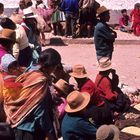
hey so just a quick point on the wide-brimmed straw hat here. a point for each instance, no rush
(79, 71)
(62, 85)
(8, 34)
(104, 64)
(28, 13)
(101, 10)
(109, 132)
(132, 130)
(77, 101)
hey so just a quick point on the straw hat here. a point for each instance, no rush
(62, 85)
(137, 106)
(132, 130)
(28, 13)
(78, 71)
(101, 10)
(109, 132)
(104, 64)
(76, 101)
(8, 34)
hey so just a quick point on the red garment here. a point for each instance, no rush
(135, 16)
(124, 21)
(89, 87)
(10, 82)
(106, 87)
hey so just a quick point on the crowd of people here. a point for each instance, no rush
(131, 23)
(38, 101)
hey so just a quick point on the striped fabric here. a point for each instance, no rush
(19, 105)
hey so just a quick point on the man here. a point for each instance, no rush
(97, 108)
(71, 10)
(104, 36)
(107, 82)
(74, 125)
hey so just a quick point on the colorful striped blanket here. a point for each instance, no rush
(19, 105)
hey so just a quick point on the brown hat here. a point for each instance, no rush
(107, 132)
(104, 64)
(101, 10)
(76, 101)
(78, 71)
(8, 34)
(62, 85)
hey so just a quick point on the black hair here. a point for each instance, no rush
(50, 57)
(7, 23)
(1, 5)
(137, 5)
(6, 44)
(28, 4)
(123, 11)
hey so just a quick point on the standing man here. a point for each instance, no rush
(104, 36)
(71, 11)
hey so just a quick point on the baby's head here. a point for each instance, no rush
(9, 64)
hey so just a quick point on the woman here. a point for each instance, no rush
(7, 40)
(30, 112)
(21, 50)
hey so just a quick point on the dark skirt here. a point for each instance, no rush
(25, 57)
(23, 135)
(88, 16)
(100, 115)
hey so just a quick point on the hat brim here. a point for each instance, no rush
(4, 38)
(104, 69)
(98, 15)
(33, 16)
(59, 88)
(78, 76)
(116, 132)
(86, 96)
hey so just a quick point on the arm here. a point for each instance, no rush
(16, 50)
(107, 33)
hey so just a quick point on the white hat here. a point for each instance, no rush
(104, 64)
(28, 13)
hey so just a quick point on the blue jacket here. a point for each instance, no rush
(104, 38)
(70, 6)
(77, 128)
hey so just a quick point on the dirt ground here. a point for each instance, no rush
(126, 60)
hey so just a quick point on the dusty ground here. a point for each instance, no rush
(126, 60)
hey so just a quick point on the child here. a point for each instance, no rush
(62, 89)
(125, 21)
(10, 72)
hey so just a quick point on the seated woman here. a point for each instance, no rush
(107, 82)
(97, 108)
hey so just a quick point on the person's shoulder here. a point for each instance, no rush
(99, 25)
